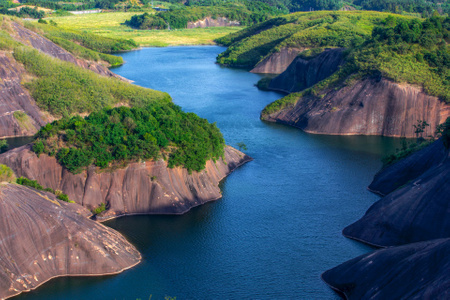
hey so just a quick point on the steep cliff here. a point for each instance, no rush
(19, 115)
(148, 187)
(302, 74)
(42, 238)
(415, 271)
(417, 210)
(277, 63)
(210, 22)
(366, 107)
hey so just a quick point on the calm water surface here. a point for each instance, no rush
(278, 225)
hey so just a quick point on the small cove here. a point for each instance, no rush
(278, 225)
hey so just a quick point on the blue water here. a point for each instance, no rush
(278, 225)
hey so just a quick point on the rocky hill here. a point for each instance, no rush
(388, 77)
(42, 238)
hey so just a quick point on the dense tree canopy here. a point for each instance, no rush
(125, 134)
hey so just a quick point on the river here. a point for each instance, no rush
(278, 225)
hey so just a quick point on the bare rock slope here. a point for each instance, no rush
(210, 22)
(139, 188)
(366, 107)
(19, 115)
(302, 74)
(417, 207)
(278, 62)
(42, 238)
(414, 271)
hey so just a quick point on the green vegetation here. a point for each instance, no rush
(62, 88)
(126, 134)
(3, 145)
(300, 30)
(34, 184)
(6, 174)
(110, 25)
(246, 12)
(443, 131)
(101, 208)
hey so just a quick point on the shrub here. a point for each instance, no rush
(101, 208)
(6, 174)
(34, 184)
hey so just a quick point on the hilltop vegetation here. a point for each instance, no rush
(411, 50)
(300, 30)
(62, 88)
(126, 134)
(247, 13)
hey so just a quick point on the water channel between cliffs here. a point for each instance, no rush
(278, 225)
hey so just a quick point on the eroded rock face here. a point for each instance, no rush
(42, 238)
(140, 188)
(277, 62)
(46, 46)
(418, 211)
(302, 74)
(15, 99)
(367, 107)
(210, 22)
(414, 271)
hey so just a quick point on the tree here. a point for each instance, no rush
(242, 146)
(420, 128)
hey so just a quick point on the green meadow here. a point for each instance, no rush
(111, 25)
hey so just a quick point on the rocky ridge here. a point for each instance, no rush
(367, 107)
(148, 187)
(412, 220)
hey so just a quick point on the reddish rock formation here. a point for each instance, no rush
(414, 271)
(417, 211)
(302, 74)
(140, 188)
(366, 107)
(42, 238)
(278, 62)
(15, 99)
(46, 46)
(210, 22)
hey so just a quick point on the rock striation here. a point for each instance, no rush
(417, 207)
(19, 114)
(414, 271)
(278, 62)
(148, 187)
(42, 238)
(213, 22)
(366, 107)
(302, 74)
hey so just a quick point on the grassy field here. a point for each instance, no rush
(110, 25)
